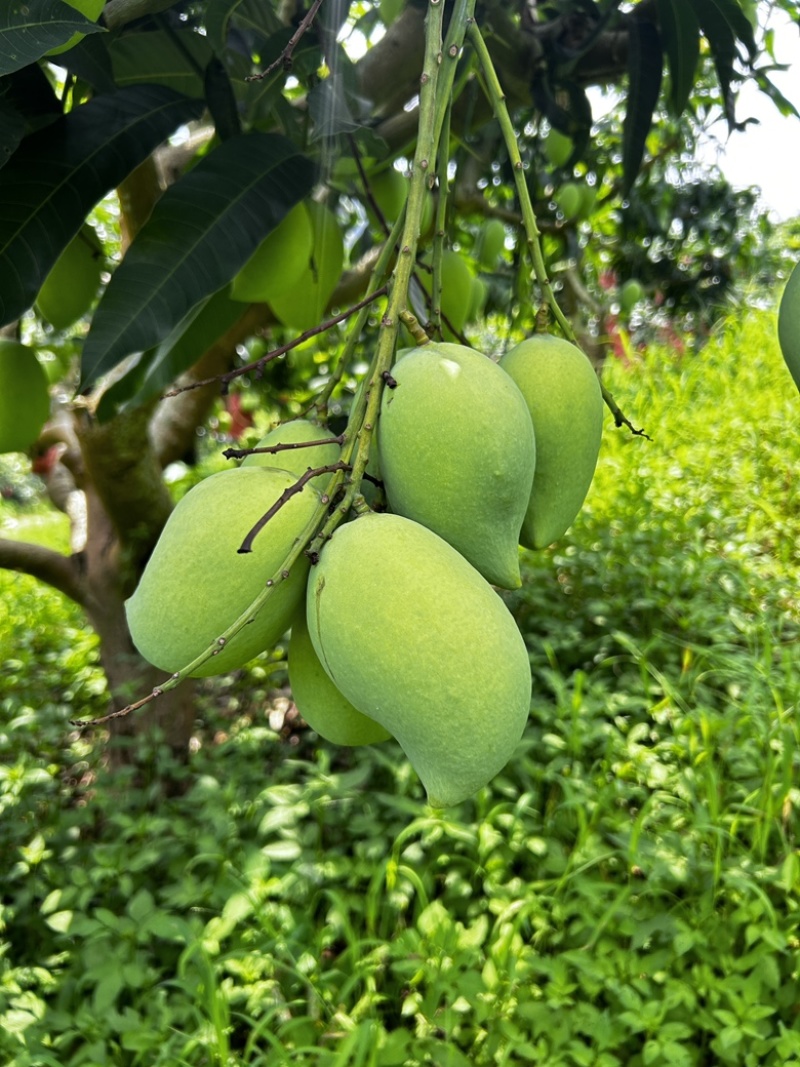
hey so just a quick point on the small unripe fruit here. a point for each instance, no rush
(279, 261)
(558, 147)
(415, 639)
(303, 306)
(24, 400)
(456, 292)
(69, 289)
(490, 243)
(389, 189)
(629, 295)
(569, 200)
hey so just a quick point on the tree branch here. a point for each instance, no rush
(57, 570)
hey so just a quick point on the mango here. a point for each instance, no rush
(414, 638)
(318, 700)
(789, 325)
(558, 147)
(629, 295)
(456, 292)
(389, 188)
(490, 243)
(458, 454)
(297, 460)
(569, 200)
(69, 289)
(304, 305)
(24, 399)
(563, 395)
(196, 583)
(279, 261)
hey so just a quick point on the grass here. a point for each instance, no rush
(626, 893)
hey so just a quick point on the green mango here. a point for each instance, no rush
(280, 260)
(629, 295)
(456, 292)
(789, 325)
(414, 638)
(569, 199)
(297, 460)
(458, 454)
(24, 399)
(318, 700)
(389, 189)
(304, 305)
(477, 301)
(196, 583)
(490, 243)
(558, 147)
(565, 402)
(69, 289)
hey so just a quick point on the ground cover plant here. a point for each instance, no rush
(625, 892)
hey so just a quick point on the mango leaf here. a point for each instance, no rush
(644, 84)
(176, 58)
(31, 28)
(221, 100)
(681, 36)
(59, 173)
(714, 17)
(730, 12)
(253, 13)
(157, 369)
(30, 93)
(201, 232)
(89, 60)
(12, 129)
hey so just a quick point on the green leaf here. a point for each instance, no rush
(159, 367)
(681, 35)
(729, 11)
(251, 12)
(59, 173)
(31, 28)
(90, 60)
(12, 129)
(644, 84)
(176, 59)
(201, 232)
(221, 100)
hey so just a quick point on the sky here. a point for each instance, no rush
(767, 155)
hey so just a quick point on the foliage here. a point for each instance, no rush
(625, 893)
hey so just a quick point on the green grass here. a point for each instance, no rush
(626, 893)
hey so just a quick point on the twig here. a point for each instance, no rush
(619, 418)
(285, 58)
(247, 545)
(258, 364)
(240, 453)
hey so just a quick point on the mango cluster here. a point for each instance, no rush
(396, 629)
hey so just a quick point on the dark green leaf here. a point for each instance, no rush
(681, 35)
(12, 129)
(176, 59)
(158, 368)
(59, 173)
(644, 84)
(90, 60)
(202, 231)
(722, 42)
(31, 28)
(30, 93)
(221, 100)
(253, 16)
(729, 11)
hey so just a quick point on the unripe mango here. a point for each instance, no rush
(789, 325)
(24, 399)
(196, 583)
(72, 283)
(569, 199)
(558, 147)
(303, 306)
(456, 292)
(629, 295)
(458, 454)
(415, 638)
(297, 460)
(324, 708)
(280, 260)
(490, 243)
(565, 402)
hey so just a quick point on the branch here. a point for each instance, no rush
(57, 570)
(312, 472)
(285, 58)
(240, 453)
